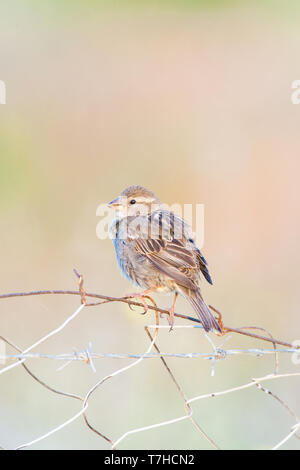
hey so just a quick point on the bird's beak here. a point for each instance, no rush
(115, 203)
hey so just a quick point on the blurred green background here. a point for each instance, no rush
(192, 100)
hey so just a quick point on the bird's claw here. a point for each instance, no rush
(141, 297)
(171, 320)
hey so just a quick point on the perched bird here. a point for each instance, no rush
(155, 251)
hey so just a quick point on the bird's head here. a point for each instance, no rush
(135, 201)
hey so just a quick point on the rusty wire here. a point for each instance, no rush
(218, 353)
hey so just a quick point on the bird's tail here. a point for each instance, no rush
(206, 317)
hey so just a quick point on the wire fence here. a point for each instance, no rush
(89, 356)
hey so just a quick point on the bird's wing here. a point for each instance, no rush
(169, 253)
(202, 263)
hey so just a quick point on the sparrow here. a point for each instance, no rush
(156, 251)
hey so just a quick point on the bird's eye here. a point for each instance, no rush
(133, 201)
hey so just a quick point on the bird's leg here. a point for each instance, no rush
(171, 312)
(142, 296)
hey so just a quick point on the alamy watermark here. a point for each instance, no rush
(296, 355)
(2, 92)
(295, 96)
(166, 221)
(2, 352)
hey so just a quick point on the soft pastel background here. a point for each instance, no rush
(193, 100)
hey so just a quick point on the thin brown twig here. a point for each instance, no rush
(41, 382)
(282, 403)
(187, 406)
(274, 343)
(107, 299)
(110, 376)
(81, 288)
(51, 389)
